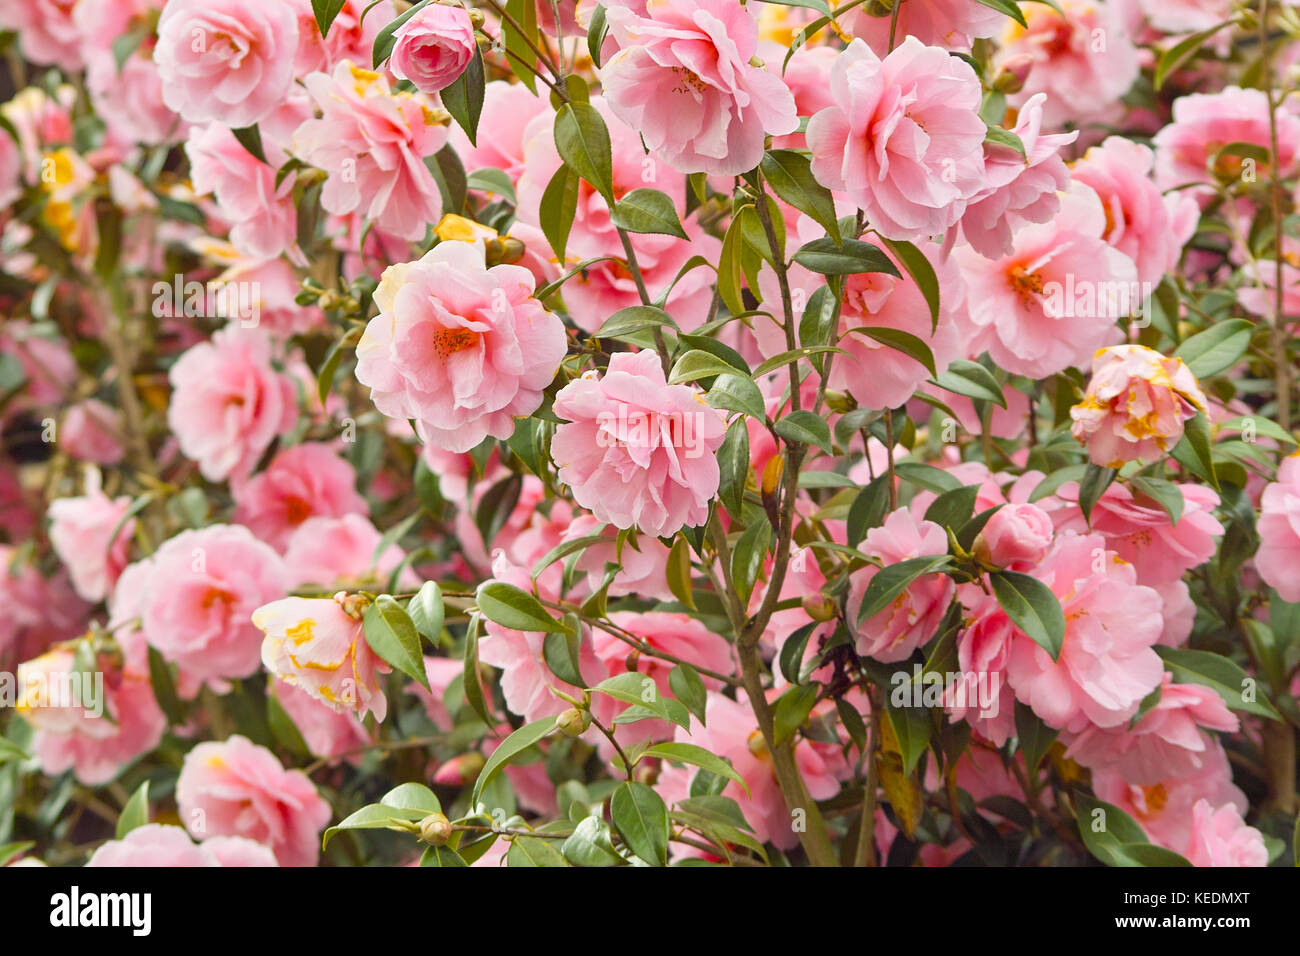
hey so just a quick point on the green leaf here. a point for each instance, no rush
(1115, 838)
(441, 856)
(697, 757)
(11, 851)
(791, 711)
(641, 691)
(696, 364)
(517, 39)
(1164, 493)
(1093, 485)
(1238, 689)
(582, 140)
(412, 796)
(913, 729)
(729, 271)
(597, 29)
(868, 509)
(922, 273)
(1217, 348)
(790, 660)
(738, 393)
(136, 812)
(806, 428)
(283, 730)
(590, 844)
(910, 345)
(463, 99)
(250, 137)
(491, 180)
(964, 377)
(888, 583)
(852, 258)
(326, 11)
(1032, 607)
(633, 319)
(164, 689)
(426, 611)
(641, 818)
(685, 683)
(376, 816)
(1183, 51)
(952, 509)
(561, 653)
(473, 687)
(733, 467)
(1035, 737)
(1196, 433)
(534, 851)
(790, 176)
(647, 211)
(558, 208)
(511, 607)
(392, 636)
(747, 557)
(514, 745)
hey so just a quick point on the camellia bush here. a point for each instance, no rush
(649, 432)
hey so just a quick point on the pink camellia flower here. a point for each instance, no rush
(983, 697)
(432, 48)
(80, 531)
(1187, 150)
(1278, 557)
(305, 481)
(1106, 665)
(160, 844)
(683, 78)
(1016, 537)
(1135, 405)
(226, 60)
(194, 597)
(47, 31)
(1020, 188)
(314, 644)
(946, 23)
(1083, 58)
(636, 451)
(1140, 532)
(129, 97)
(93, 729)
(904, 139)
(1185, 16)
(731, 731)
(338, 552)
(1167, 742)
(372, 142)
(1260, 297)
(350, 36)
(1164, 809)
(92, 431)
(236, 788)
(1054, 300)
(462, 348)
(892, 633)
(262, 217)
(228, 404)
(1146, 226)
(1220, 837)
(39, 611)
(873, 373)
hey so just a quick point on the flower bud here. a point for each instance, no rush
(435, 829)
(460, 770)
(573, 722)
(819, 607)
(1011, 77)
